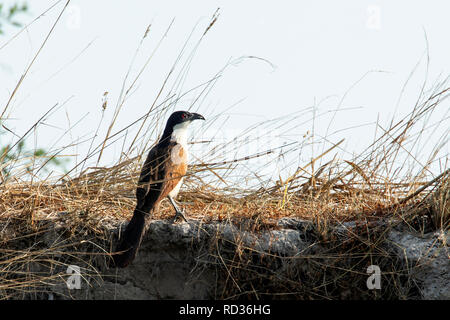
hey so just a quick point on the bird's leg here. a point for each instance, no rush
(178, 212)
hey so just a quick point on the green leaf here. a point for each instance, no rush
(12, 10)
(39, 152)
(20, 145)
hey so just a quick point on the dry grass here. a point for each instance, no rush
(328, 190)
(352, 190)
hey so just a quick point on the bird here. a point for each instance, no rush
(161, 177)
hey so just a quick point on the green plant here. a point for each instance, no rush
(8, 15)
(12, 156)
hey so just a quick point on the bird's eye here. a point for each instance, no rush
(183, 116)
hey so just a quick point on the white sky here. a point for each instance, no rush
(319, 49)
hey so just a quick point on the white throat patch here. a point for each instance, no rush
(179, 134)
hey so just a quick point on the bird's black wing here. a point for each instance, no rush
(151, 178)
(147, 193)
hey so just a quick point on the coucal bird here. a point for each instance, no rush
(161, 176)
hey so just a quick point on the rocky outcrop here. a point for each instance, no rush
(195, 261)
(214, 260)
(427, 259)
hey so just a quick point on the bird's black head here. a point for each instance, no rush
(179, 117)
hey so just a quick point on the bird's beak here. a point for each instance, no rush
(197, 116)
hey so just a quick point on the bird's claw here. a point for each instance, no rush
(179, 214)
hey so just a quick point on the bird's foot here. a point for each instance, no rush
(179, 213)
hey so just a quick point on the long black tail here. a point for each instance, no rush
(130, 240)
